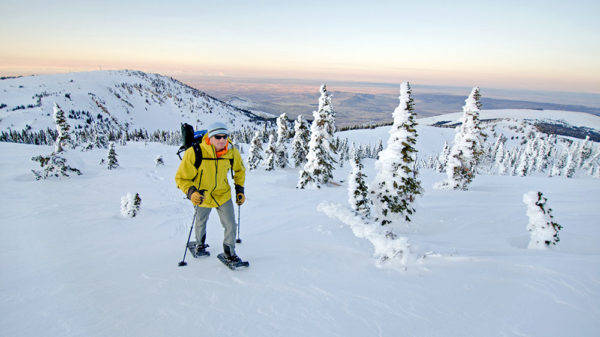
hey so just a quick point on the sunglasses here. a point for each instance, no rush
(220, 136)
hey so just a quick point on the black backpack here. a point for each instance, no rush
(191, 138)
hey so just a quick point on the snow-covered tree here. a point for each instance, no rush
(55, 164)
(100, 137)
(112, 161)
(443, 158)
(130, 205)
(543, 229)
(300, 142)
(158, 161)
(327, 110)
(379, 148)
(396, 185)
(281, 156)
(499, 159)
(320, 160)
(63, 128)
(358, 192)
(255, 157)
(467, 147)
(270, 152)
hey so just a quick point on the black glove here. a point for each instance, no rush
(240, 198)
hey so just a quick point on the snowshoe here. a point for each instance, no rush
(198, 250)
(234, 262)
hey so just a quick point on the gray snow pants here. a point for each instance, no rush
(227, 217)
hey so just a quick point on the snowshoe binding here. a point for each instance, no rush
(198, 250)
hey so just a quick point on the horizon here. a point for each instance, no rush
(222, 85)
(464, 44)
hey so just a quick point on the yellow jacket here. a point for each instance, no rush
(211, 176)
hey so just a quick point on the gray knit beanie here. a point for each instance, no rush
(217, 128)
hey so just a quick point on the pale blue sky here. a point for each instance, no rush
(552, 45)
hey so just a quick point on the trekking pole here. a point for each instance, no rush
(238, 235)
(183, 263)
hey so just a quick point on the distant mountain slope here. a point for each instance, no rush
(123, 99)
(565, 123)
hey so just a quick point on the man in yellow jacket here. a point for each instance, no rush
(207, 186)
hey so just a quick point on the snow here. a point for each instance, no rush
(130, 99)
(578, 119)
(72, 265)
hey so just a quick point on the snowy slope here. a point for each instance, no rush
(578, 119)
(73, 266)
(123, 99)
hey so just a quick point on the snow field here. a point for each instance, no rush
(73, 266)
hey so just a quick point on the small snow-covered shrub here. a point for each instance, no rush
(53, 165)
(130, 205)
(543, 229)
(159, 161)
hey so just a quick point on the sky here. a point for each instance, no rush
(535, 45)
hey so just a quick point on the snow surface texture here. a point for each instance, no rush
(73, 266)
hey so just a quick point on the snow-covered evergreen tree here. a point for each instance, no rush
(443, 158)
(467, 147)
(270, 152)
(326, 108)
(358, 192)
(130, 205)
(281, 156)
(499, 159)
(255, 157)
(55, 164)
(396, 185)
(159, 161)
(112, 161)
(300, 142)
(379, 148)
(543, 229)
(63, 128)
(100, 137)
(320, 161)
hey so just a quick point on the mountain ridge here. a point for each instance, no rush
(121, 99)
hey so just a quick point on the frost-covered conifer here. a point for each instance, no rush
(396, 185)
(499, 160)
(55, 164)
(467, 148)
(255, 157)
(270, 152)
(300, 141)
(112, 161)
(320, 160)
(62, 126)
(281, 156)
(572, 160)
(542, 228)
(130, 205)
(443, 158)
(358, 192)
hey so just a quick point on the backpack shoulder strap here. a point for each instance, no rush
(198, 152)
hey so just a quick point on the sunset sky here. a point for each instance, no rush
(536, 45)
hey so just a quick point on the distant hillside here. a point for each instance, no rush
(117, 100)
